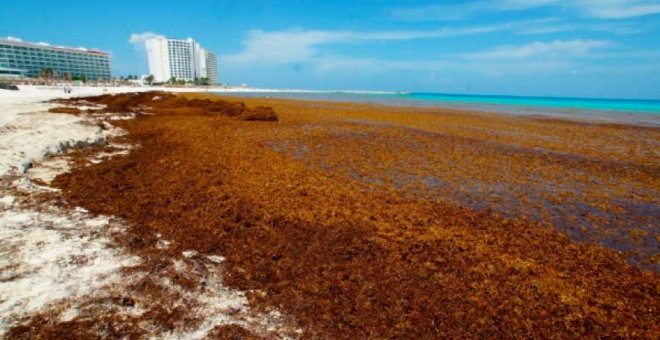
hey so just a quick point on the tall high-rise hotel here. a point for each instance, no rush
(181, 59)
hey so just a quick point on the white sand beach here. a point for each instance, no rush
(54, 260)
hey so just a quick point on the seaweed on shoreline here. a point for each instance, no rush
(164, 103)
(350, 258)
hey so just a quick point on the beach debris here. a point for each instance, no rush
(170, 104)
(72, 110)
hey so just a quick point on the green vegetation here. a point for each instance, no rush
(149, 79)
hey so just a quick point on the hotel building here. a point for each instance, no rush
(181, 59)
(208, 65)
(23, 59)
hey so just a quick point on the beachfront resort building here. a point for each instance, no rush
(180, 59)
(20, 59)
(208, 65)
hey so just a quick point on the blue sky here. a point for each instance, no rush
(591, 48)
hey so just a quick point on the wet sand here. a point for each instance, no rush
(358, 220)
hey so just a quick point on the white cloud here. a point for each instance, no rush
(619, 9)
(441, 12)
(541, 58)
(601, 9)
(558, 49)
(449, 64)
(282, 46)
(618, 28)
(462, 11)
(534, 58)
(138, 39)
(297, 45)
(525, 4)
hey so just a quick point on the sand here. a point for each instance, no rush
(61, 265)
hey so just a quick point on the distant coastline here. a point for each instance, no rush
(644, 112)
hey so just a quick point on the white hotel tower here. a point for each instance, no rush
(181, 59)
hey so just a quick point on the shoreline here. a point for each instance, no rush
(378, 221)
(601, 116)
(588, 116)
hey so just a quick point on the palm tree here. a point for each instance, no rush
(149, 79)
(47, 73)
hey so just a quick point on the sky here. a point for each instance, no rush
(575, 48)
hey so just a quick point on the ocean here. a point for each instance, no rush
(631, 111)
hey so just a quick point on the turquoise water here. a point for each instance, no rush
(624, 105)
(645, 112)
